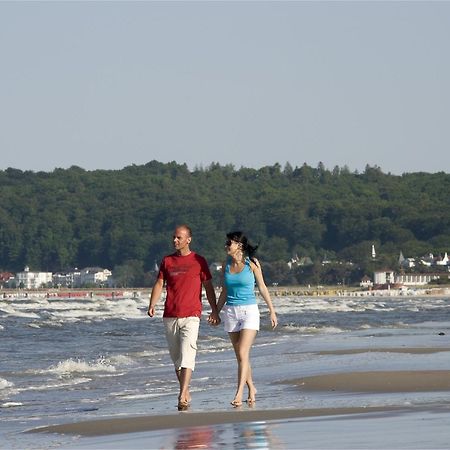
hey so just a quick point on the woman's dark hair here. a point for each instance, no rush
(247, 248)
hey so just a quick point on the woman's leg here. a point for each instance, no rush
(242, 342)
(251, 387)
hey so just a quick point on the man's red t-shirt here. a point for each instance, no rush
(184, 276)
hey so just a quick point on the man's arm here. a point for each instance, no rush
(155, 296)
(213, 318)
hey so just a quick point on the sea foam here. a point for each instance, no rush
(11, 404)
(311, 329)
(4, 384)
(70, 366)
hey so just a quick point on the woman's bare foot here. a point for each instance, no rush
(236, 403)
(185, 398)
(251, 395)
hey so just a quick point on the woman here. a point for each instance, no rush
(240, 310)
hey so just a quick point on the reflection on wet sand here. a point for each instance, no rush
(244, 435)
(250, 435)
(195, 437)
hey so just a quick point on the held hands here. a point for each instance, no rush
(214, 319)
(151, 311)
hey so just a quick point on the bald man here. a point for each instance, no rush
(183, 273)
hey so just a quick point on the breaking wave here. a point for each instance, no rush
(71, 366)
(4, 384)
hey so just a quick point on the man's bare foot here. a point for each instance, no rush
(184, 401)
(183, 405)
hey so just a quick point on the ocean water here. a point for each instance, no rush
(71, 359)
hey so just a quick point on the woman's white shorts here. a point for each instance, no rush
(237, 318)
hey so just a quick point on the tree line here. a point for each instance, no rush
(123, 219)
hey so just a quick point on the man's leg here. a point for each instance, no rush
(184, 378)
(188, 345)
(173, 340)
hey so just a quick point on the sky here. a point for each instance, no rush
(105, 85)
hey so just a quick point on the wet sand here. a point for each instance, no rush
(193, 419)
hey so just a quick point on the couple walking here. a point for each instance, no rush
(183, 274)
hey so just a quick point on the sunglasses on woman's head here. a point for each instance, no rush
(228, 242)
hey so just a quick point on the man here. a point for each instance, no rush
(184, 273)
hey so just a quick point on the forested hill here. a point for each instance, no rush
(73, 217)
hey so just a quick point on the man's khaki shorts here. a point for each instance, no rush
(181, 335)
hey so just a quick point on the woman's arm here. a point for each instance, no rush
(223, 292)
(256, 267)
(222, 299)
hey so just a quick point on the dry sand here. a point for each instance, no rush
(414, 350)
(377, 381)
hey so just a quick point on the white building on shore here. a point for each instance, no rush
(384, 277)
(33, 280)
(415, 279)
(92, 276)
(366, 282)
(443, 261)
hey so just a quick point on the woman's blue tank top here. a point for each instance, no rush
(240, 286)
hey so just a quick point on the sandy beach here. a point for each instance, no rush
(198, 427)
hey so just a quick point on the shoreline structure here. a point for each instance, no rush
(275, 291)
